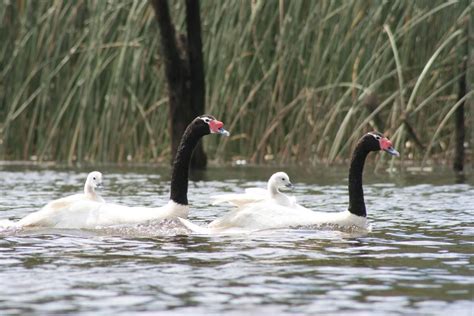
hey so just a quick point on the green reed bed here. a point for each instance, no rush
(294, 81)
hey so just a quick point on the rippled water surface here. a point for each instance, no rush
(418, 259)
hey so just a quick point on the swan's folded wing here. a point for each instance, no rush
(257, 192)
(247, 218)
(41, 218)
(251, 195)
(209, 230)
(64, 202)
(195, 228)
(47, 215)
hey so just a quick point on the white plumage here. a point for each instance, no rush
(252, 195)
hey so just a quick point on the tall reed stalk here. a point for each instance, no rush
(295, 81)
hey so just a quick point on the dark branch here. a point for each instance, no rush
(196, 63)
(168, 40)
(459, 125)
(196, 70)
(184, 72)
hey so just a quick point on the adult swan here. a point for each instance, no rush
(267, 215)
(91, 214)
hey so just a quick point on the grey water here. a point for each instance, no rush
(417, 260)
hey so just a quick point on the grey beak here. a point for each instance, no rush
(289, 185)
(100, 186)
(392, 151)
(223, 132)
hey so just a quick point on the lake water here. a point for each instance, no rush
(418, 259)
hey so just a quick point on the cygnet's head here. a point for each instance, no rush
(94, 180)
(280, 180)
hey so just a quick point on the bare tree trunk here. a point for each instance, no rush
(459, 127)
(196, 71)
(184, 73)
(459, 115)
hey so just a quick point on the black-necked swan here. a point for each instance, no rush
(92, 214)
(263, 215)
(276, 182)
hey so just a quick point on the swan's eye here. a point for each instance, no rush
(93, 178)
(283, 179)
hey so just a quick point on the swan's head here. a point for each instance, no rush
(94, 180)
(376, 141)
(280, 180)
(209, 125)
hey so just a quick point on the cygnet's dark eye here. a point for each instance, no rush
(93, 178)
(283, 179)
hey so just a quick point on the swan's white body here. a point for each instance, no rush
(88, 210)
(259, 209)
(269, 215)
(93, 214)
(253, 195)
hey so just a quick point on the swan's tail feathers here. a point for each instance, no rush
(195, 228)
(6, 224)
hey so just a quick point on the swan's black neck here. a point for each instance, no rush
(180, 173)
(356, 193)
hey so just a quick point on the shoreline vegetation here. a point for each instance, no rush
(295, 82)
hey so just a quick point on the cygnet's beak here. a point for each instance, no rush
(289, 185)
(99, 186)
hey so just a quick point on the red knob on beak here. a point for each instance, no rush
(215, 125)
